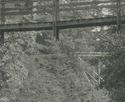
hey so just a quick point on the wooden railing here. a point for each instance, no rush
(55, 7)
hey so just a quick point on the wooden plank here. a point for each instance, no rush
(61, 5)
(2, 22)
(55, 18)
(93, 54)
(90, 22)
(61, 25)
(118, 15)
(89, 7)
(87, 3)
(16, 13)
(49, 7)
(13, 1)
(26, 12)
(32, 7)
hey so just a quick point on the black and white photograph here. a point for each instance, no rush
(62, 50)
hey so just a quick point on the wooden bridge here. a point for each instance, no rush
(18, 8)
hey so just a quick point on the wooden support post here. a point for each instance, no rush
(34, 4)
(99, 72)
(118, 15)
(28, 4)
(88, 80)
(56, 19)
(2, 20)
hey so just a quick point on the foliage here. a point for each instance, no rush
(113, 72)
(39, 69)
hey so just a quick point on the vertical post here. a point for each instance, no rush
(56, 19)
(2, 20)
(34, 15)
(28, 4)
(99, 72)
(118, 15)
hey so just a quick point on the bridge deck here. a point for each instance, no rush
(61, 25)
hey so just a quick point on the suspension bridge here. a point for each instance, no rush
(14, 8)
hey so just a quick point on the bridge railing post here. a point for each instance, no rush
(2, 20)
(56, 19)
(118, 15)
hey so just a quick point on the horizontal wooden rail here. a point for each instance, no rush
(61, 25)
(13, 1)
(41, 10)
(84, 4)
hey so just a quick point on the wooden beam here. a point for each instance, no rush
(62, 24)
(15, 11)
(56, 19)
(93, 54)
(118, 15)
(2, 22)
